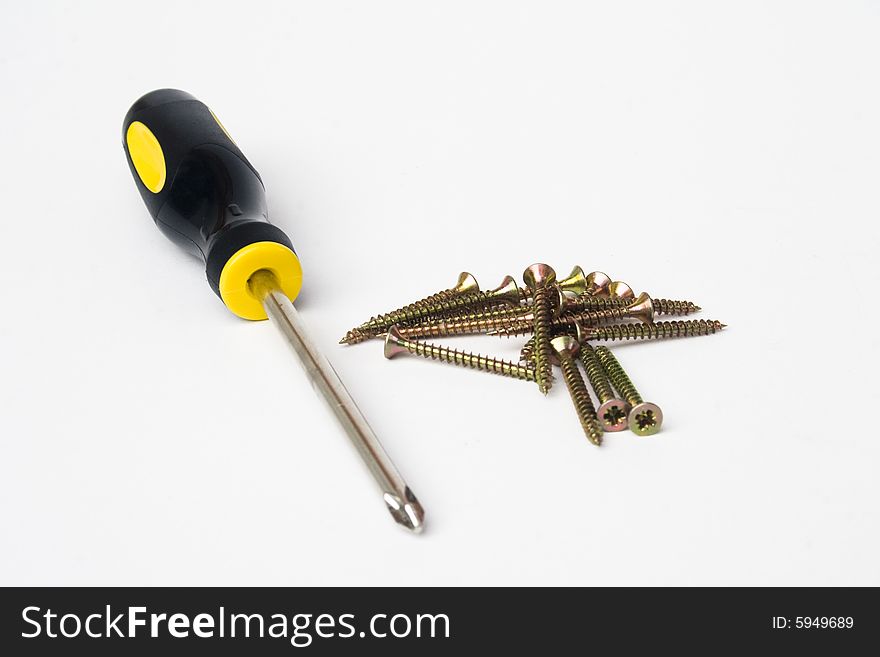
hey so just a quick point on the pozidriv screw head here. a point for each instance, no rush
(614, 415)
(645, 419)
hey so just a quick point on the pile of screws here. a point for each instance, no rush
(563, 317)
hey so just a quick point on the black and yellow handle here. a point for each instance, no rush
(206, 197)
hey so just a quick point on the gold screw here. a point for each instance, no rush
(644, 417)
(497, 317)
(675, 307)
(396, 344)
(465, 324)
(506, 293)
(641, 308)
(612, 412)
(538, 277)
(656, 331)
(356, 335)
(566, 347)
(423, 311)
(585, 302)
(466, 284)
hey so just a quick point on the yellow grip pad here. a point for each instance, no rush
(146, 155)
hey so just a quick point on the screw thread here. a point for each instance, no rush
(445, 304)
(585, 302)
(543, 349)
(431, 299)
(674, 307)
(494, 312)
(622, 383)
(580, 397)
(587, 318)
(656, 331)
(464, 324)
(590, 317)
(596, 375)
(527, 353)
(372, 328)
(467, 359)
(588, 302)
(356, 335)
(365, 331)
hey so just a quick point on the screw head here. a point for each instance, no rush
(564, 344)
(642, 308)
(466, 283)
(392, 343)
(613, 415)
(579, 332)
(539, 274)
(597, 283)
(575, 282)
(645, 419)
(507, 291)
(620, 290)
(561, 300)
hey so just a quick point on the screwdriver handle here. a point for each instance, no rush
(206, 197)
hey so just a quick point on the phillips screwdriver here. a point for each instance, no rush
(206, 197)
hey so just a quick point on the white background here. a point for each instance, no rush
(727, 153)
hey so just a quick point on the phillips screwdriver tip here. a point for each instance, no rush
(409, 513)
(401, 502)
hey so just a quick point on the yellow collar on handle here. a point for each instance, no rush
(234, 277)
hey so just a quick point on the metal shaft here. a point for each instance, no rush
(402, 503)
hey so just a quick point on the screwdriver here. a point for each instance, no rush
(206, 197)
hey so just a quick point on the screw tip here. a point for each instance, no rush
(356, 335)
